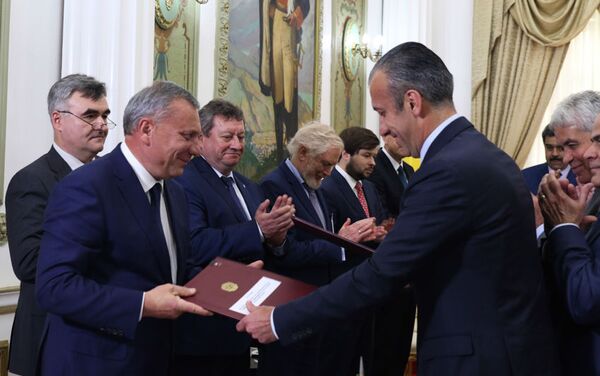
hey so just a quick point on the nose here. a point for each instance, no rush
(236, 143)
(195, 148)
(383, 129)
(590, 152)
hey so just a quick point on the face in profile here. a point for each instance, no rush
(224, 145)
(575, 142)
(174, 140)
(361, 164)
(318, 167)
(398, 124)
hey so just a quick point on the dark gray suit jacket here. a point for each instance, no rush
(26, 199)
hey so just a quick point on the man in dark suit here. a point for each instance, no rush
(228, 219)
(572, 255)
(464, 238)
(391, 174)
(314, 151)
(116, 236)
(554, 162)
(387, 333)
(78, 112)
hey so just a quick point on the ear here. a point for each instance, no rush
(345, 156)
(56, 121)
(413, 102)
(302, 153)
(146, 128)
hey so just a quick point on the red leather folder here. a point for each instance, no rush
(320, 233)
(224, 282)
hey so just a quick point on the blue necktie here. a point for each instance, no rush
(402, 176)
(229, 182)
(314, 200)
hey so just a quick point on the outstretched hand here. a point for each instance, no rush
(258, 323)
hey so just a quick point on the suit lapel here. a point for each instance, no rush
(58, 165)
(251, 203)
(137, 201)
(453, 129)
(210, 176)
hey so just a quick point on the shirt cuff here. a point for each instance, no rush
(539, 231)
(273, 324)
(562, 225)
(343, 253)
(142, 307)
(262, 237)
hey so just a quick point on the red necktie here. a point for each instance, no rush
(361, 198)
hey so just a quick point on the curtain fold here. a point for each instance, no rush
(518, 49)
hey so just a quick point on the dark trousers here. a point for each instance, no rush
(212, 365)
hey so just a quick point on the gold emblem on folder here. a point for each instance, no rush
(229, 286)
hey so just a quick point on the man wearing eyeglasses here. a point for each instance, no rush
(79, 115)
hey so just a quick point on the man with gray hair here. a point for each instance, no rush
(78, 112)
(116, 237)
(464, 239)
(314, 152)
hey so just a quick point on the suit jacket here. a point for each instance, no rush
(388, 184)
(102, 248)
(26, 199)
(217, 228)
(473, 263)
(575, 270)
(306, 258)
(534, 174)
(343, 203)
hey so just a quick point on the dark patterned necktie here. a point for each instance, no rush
(402, 176)
(229, 182)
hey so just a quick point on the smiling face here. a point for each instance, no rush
(399, 124)
(592, 154)
(74, 135)
(554, 153)
(224, 145)
(575, 142)
(172, 140)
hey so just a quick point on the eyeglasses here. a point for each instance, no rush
(91, 120)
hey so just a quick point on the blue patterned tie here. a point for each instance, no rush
(229, 182)
(314, 200)
(402, 176)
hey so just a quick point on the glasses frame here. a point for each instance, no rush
(108, 124)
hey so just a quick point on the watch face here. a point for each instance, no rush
(166, 12)
(350, 38)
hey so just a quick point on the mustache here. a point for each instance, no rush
(556, 159)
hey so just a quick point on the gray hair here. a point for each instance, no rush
(64, 88)
(413, 66)
(578, 110)
(218, 107)
(154, 102)
(316, 137)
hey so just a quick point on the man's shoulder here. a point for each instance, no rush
(40, 169)
(542, 167)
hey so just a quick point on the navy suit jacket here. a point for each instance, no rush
(473, 262)
(343, 203)
(100, 251)
(534, 174)
(388, 184)
(26, 200)
(217, 228)
(574, 262)
(306, 258)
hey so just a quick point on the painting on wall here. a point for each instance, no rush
(268, 63)
(347, 68)
(175, 36)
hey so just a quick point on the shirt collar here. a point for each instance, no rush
(393, 161)
(73, 162)
(146, 179)
(433, 135)
(349, 179)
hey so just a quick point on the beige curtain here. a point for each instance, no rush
(518, 50)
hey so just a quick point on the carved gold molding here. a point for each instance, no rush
(222, 42)
(9, 289)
